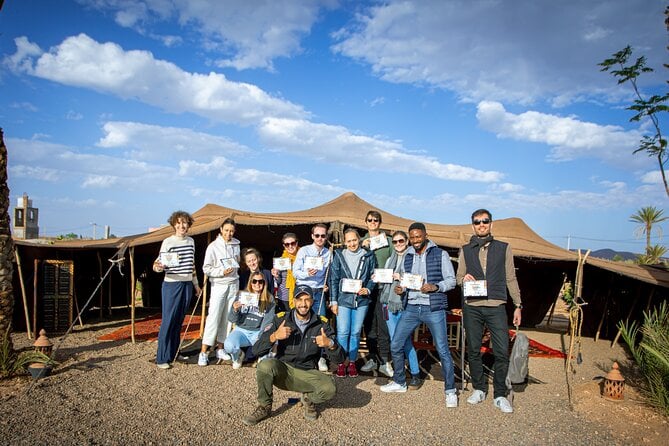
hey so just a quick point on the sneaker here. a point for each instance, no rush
(369, 366)
(476, 397)
(203, 359)
(393, 387)
(221, 355)
(341, 370)
(451, 400)
(415, 383)
(164, 365)
(503, 404)
(259, 414)
(237, 363)
(352, 370)
(310, 412)
(386, 369)
(323, 365)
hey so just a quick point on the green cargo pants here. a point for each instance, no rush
(271, 372)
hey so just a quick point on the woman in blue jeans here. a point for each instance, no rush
(350, 286)
(393, 305)
(249, 318)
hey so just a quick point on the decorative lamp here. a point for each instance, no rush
(43, 344)
(614, 384)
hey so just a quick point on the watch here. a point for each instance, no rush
(519, 306)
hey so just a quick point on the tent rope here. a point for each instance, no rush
(575, 326)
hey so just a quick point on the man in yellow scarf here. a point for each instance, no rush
(284, 279)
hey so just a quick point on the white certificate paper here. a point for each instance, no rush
(351, 285)
(313, 263)
(169, 259)
(475, 288)
(383, 275)
(281, 263)
(378, 241)
(412, 281)
(229, 262)
(248, 299)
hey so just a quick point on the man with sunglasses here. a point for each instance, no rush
(376, 330)
(485, 272)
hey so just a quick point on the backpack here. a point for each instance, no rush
(518, 362)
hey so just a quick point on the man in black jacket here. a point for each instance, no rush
(300, 335)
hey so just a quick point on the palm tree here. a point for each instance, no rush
(6, 248)
(653, 255)
(648, 217)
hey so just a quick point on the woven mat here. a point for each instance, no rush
(147, 329)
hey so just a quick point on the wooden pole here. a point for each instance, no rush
(629, 315)
(100, 269)
(132, 294)
(35, 280)
(204, 295)
(23, 292)
(109, 292)
(601, 321)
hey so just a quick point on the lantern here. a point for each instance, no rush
(614, 384)
(43, 344)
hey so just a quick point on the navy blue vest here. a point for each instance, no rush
(495, 274)
(438, 301)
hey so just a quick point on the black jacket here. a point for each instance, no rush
(299, 350)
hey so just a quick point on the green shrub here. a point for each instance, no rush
(651, 353)
(13, 362)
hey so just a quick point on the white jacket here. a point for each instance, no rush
(217, 250)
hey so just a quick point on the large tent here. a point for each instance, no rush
(611, 289)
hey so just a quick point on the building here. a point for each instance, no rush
(25, 219)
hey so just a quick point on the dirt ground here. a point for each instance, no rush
(112, 393)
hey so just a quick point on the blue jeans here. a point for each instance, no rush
(238, 338)
(411, 318)
(175, 299)
(409, 350)
(317, 307)
(349, 326)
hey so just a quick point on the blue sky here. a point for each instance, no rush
(117, 112)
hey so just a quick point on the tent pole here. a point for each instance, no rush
(35, 293)
(204, 294)
(132, 294)
(629, 315)
(601, 321)
(100, 268)
(23, 292)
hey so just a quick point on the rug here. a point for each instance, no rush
(147, 329)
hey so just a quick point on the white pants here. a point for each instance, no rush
(217, 328)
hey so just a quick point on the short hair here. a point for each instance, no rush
(402, 233)
(417, 225)
(375, 214)
(229, 221)
(247, 251)
(481, 211)
(319, 225)
(288, 235)
(178, 215)
(352, 230)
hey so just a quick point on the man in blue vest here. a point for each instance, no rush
(485, 271)
(427, 276)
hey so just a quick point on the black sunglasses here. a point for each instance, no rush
(320, 235)
(289, 243)
(484, 221)
(370, 219)
(401, 240)
(256, 281)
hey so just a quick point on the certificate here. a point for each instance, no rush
(412, 281)
(351, 285)
(248, 299)
(281, 263)
(378, 241)
(383, 275)
(169, 259)
(229, 262)
(475, 288)
(313, 263)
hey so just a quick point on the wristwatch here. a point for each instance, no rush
(519, 306)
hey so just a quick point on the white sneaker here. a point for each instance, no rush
(451, 400)
(323, 365)
(386, 369)
(237, 363)
(203, 359)
(503, 404)
(476, 397)
(369, 366)
(164, 365)
(221, 355)
(393, 387)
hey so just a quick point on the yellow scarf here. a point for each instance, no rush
(290, 279)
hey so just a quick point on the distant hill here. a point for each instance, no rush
(609, 254)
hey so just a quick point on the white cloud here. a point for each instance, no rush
(569, 137)
(36, 173)
(652, 177)
(481, 50)
(24, 106)
(336, 144)
(73, 116)
(105, 67)
(505, 187)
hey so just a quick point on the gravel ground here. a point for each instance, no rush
(112, 393)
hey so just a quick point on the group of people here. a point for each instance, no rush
(386, 284)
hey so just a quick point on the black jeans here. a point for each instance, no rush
(376, 330)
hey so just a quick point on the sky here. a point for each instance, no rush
(118, 112)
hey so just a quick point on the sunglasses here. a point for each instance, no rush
(257, 281)
(369, 220)
(290, 244)
(400, 240)
(320, 235)
(477, 222)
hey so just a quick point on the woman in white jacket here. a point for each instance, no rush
(221, 265)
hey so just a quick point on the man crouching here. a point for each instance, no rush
(300, 335)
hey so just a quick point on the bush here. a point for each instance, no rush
(651, 353)
(12, 362)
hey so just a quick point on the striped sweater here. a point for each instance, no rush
(185, 249)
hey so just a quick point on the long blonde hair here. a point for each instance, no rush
(265, 300)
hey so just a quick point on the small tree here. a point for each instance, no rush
(648, 216)
(653, 255)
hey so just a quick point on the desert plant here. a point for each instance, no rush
(651, 353)
(13, 362)
(653, 255)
